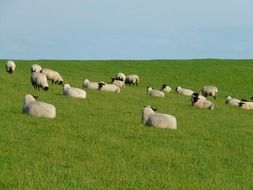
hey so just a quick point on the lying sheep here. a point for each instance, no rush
(209, 91)
(121, 76)
(36, 68)
(166, 88)
(52, 75)
(108, 87)
(184, 91)
(158, 120)
(10, 67)
(38, 109)
(246, 105)
(90, 85)
(73, 92)
(201, 103)
(118, 83)
(132, 80)
(39, 80)
(232, 101)
(153, 92)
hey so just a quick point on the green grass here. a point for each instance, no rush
(99, 142)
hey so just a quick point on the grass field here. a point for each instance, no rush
(100, 143)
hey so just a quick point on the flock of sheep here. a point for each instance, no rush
(40, 77)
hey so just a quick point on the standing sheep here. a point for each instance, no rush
(36, 68)
(158, 120)
(166, 88)
(232, 101)
(108, 87)
(90, 85)
(52, 75)
(209, 91)
(10, 67)
(39, 80)
(121, 76)
(184, 91)
(73, 92)
(153, 92)
(38, 109)
(200, 102)
(132, 80)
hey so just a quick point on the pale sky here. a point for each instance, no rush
(129, 29)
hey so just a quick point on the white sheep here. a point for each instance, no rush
(38, 109)
(209, 91)
(158, 120)
(132, 80)
(90, 85)
(153, 92)
(10, 67)
(184, 91)
(121, 76)
(108, 87)
(39, 80)
(232, 101)
(118, 83)
(246, 105)
(166, 88)
(36, 68)
(73, 92)
(201, 103)
(52, 75)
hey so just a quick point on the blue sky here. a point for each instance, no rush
(129, 29)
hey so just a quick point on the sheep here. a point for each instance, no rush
(246, 105)
(121, 76)
(38, 109)
(10, 67)
(73, 92)
(153, 92)
(36, 68)
(108, 87)
(52, 75)
(232, 101)
(158, 120)
(210, 91)
(132, 80)
(118, 83)
(184, 91)
(39, 80)
(90, 85)
(166, 88)
(201, 103)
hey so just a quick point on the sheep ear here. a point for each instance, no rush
(154, 109)
(35, 97)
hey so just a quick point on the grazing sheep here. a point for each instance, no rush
(39, 80)
(10, 67)
(73, 92)
(158, 120)
(108, 87)
(246, 105)
(52, 75)
(209, 91)
(153, 92)
(132, 80)
(121, 76)
(38, 109)
(232, 101)
(90, 85)
(184, 91)
(118, 83)
(166, 88)
(201, 103)
(36, 68)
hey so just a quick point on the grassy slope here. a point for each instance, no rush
(99, 143)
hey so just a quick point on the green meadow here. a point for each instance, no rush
(100, 143)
